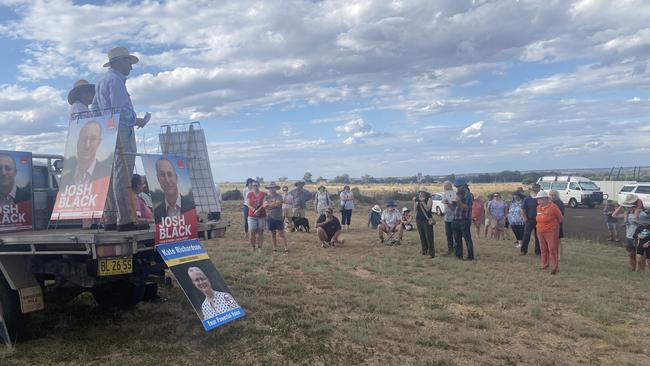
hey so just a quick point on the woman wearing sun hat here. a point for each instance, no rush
(80, 97)
(634, 214)
(547, 226)
(322, 200)
(374, 217)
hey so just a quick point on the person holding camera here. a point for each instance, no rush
(424, 220)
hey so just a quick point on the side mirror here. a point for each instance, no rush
(58, 165)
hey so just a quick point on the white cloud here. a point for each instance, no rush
(472, 131)
(357, 130)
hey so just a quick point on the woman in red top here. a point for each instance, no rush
(548, 220)
(478, 214)
(256, 216)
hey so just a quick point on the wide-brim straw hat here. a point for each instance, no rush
(629, 200)
(119, 53)
(376, 209)
(78, 87)
(272, 186)
(541, 194)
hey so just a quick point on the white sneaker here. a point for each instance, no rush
(518, 246)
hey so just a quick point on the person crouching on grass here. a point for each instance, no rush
(548, 222)
(328, 229)
(273, 207)
(391, 222)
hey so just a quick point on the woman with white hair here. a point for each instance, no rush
(548, 222)
(215, 302)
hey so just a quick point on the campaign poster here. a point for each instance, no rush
(203, 285)
(171, 193)
(87, 166)
(15, 191)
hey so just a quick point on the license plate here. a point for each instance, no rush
(114, 266)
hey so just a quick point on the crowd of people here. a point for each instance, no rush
(538, 215)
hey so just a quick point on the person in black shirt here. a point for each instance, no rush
(462, 207)
(642, 237)
(529, 212)
(423, 218)
(328, 228)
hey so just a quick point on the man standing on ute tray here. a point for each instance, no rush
(110, 92)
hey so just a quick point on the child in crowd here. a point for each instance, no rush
(610, 220)
(374, 217)
(406, 219)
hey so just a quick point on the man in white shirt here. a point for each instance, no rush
(448, 197)
(84, 167)
(174, 204)
(9, 192)
(391, 222)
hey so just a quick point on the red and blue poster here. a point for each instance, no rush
(15, 191)
(171, 192)
(87, 167)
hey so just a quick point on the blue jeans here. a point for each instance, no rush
(245, 218)
(449, 233)
(462, 231)
(346, 215)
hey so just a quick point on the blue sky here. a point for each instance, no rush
(333, 87)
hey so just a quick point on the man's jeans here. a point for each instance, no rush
(461, 230)
(529, 227)
(449, 232)
(119, 201)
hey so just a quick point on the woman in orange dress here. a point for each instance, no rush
(478, 214)
(548, 221)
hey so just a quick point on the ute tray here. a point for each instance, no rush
(79, 241)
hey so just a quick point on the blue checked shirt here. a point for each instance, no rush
(461, 213)
(110, 92)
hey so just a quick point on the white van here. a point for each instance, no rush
(573, 191)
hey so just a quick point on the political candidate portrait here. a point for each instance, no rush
(172, 203)
(84, 167)
(9, 192)
(215, 302)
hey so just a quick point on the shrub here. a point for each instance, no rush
(232, 195)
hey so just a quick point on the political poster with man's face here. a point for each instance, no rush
(15, 191)
(89, 153)
(171, 192)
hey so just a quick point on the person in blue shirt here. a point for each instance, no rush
(529, 212)
(110, 92)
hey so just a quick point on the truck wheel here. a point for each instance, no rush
(119, 294)
(438, 211)
(14, 319)
(573, 203)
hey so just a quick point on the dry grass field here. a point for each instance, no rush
(366, 303)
